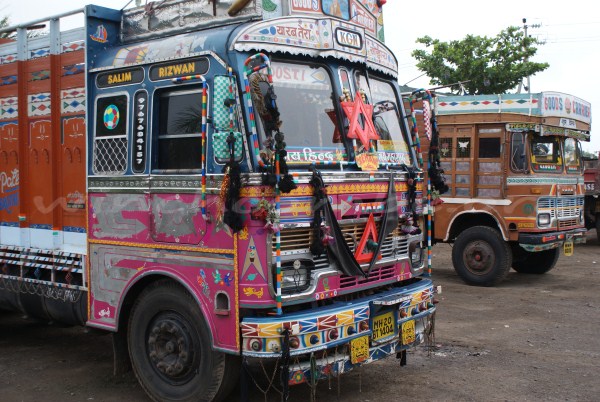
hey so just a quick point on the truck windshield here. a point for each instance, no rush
(546, 154)
(392, 147)
(572, 155)
(308, 118)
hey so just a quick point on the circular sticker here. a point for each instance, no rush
(111, 117)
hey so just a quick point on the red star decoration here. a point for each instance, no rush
(353, 110)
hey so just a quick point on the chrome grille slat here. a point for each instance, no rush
(566, 209)
(297, 241)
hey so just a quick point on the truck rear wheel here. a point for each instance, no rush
(598, 227)
(481, 257)
(538, 262)
(170, 347)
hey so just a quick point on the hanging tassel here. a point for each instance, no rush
(286, 181)
(317, 246)
(285, 365)
(244, 382)
(233, 173)
(314, 376)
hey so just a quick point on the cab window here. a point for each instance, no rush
(518, 163)
(179, 139)
(546, 155)
(572, 155)
(304, 113)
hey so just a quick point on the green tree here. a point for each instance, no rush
(490, 65)
(589, 155)
(4, 22)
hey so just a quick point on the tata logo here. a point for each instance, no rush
(348, 38)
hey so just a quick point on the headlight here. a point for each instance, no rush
(415, 253)
(543, 219)
(295, 276)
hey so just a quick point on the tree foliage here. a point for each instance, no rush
(4, 22)
(491, 65)
(589, 155)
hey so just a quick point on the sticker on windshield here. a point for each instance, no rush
(393, 152)
(308, 154)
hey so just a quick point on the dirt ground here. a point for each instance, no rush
(531, 338)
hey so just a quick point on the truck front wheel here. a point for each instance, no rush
(481, 257)
(170, 347)
(538, 262)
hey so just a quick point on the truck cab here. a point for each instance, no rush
(244, 190)
(513, 167)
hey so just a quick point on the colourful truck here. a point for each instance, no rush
(513, 180)
(217, 184)
(591, 175)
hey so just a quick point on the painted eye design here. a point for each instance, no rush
(254, 345)
(273, 345)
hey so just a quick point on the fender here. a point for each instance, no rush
(122, 273)
(475, 211)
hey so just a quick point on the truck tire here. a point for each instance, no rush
(481, 257)
(598, 227)
(538, 262)
(170, 347)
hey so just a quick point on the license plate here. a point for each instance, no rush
(383, 326)
(408, 332)
(359, 349)
(568, 248)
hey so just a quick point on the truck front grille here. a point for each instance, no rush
(298, 240)
(566, 209)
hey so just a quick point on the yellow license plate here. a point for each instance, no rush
(383, 326)
(568, 248)
(408, 332)
(359, 349)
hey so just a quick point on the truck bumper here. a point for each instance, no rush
(550, 240)
(328, 341)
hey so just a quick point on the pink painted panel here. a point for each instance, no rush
(119, 217)
(209, 277)
(176, 218)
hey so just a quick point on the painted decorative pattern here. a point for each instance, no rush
(262, 337)
(39, 75)
(307, 325)
(487, 104)
(74, 69)
(8, 80)
(37, 53)
(9, 58)
(9, 108)
(315, 37)
(541, 180)
(73, 46)
(72, 100)
(39, 104)
(378, 54)
(332, 189)
(38, 262)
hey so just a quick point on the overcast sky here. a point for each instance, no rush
(571, 30)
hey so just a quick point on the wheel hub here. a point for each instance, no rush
(479, 257)
(170, 347)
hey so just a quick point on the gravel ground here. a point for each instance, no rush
(531, 338)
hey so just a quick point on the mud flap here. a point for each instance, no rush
(121, 362)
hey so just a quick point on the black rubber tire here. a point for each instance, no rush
(170, 347)
(481, 257)
(598, 227)
(538, 262)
